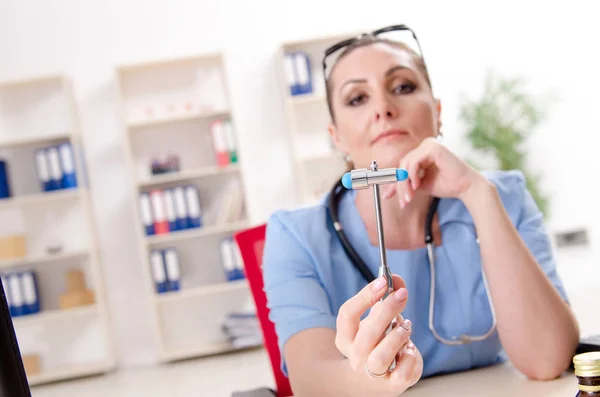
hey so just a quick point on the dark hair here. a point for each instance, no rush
(368, 40)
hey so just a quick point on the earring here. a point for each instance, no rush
(439, 135)
(347, 158)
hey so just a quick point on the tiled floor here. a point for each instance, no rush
(210, 377)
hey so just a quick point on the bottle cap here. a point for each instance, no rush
(587, 364)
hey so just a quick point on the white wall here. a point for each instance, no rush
(86, 40)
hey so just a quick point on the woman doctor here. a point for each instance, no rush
(330, 325)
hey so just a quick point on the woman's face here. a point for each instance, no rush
(382, 104)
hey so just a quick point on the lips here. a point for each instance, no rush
(389, 134)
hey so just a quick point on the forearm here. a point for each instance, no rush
(317, 368)
(535, 326)
(327, 377)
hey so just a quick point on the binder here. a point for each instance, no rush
(219, 139)
(16, 294)
(231, 142)
(159, 273)
(194, 210)
(4, 184)
(7, 293)
(181, 215)
(228, 260)
(238, 261)
(303, 74)
(146, 214)
(67, 162)
(173, 269)
(43, 169)
(161, 226)
(54, 168)
(29, 285)
(170, 210)
(290, 75)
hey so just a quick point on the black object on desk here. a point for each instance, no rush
(13, 380)
(589, 343)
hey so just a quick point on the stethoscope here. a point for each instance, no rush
(362, 179)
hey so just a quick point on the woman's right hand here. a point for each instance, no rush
(369, 350)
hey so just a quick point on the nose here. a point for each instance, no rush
(385, 109)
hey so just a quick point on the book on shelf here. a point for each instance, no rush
(231, 208)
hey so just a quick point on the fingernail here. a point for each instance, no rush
(379, 284)
(401, 294)
(402, 205)
(406, 324)
(407, 197)
(410, 345)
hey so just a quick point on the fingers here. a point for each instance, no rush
(398, 282)
(348, 318)
(381, 357)
(375, 325)
(409, 367)
(416, 163)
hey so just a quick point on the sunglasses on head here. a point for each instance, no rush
(395, 33)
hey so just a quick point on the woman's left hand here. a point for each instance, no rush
(434, 170)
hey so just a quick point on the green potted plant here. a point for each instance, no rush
(498, 125)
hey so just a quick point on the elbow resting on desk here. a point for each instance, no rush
(546, 363)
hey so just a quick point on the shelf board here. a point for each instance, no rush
(188, 175)
(210, 57)
(35, 140)
(74, 371)
(43, 198)
(44, 258)
(199, 232)
(46, 316)
(205, 290)
(9, 84)
(179, 118)
(204, 350)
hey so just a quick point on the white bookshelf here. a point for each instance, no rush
(317, 164)
(168, 107)
(59, 231)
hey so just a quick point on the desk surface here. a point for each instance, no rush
(496, 381)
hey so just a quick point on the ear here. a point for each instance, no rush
(336, 139)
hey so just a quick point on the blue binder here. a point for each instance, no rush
(67, 163)
(29, 286)
(173, 269)
(170, 209)
(7, 292)
(194, 210)
(303, 73)
(146, 214)
(16, 294)
(4, 184)
(181, 212)
(159, 272)
(43, 169)
(54, 168)
(229, 261)
(290, 74)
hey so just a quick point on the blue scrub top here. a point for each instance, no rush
(308, 276)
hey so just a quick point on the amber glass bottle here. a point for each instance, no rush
(587, 370)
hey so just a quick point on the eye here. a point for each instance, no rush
(357, 100)
(404, 88)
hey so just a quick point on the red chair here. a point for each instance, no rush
(251, 243)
